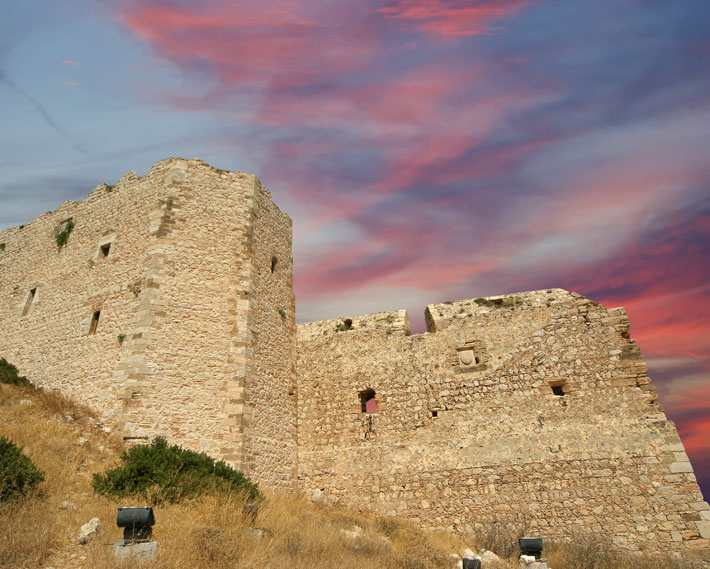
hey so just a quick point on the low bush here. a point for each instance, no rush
(159, 472)
(18, 474)
(9, 375)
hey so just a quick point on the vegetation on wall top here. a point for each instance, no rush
(63, 235)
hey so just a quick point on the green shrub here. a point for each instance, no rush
(159, 472)
(18, 474)
(63, 236)
(8, 374)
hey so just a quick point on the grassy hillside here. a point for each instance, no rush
(69, 443)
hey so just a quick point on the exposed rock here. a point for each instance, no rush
(67, 505)
(489, 559)
(319, 497)
(88, 531)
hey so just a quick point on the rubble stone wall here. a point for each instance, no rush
(532, 410)
(181, 319)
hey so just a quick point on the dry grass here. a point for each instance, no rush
(213, 533)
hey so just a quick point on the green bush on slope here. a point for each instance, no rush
(9, 375)
(159, 472)
(18, 474)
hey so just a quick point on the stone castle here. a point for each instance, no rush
(166, 303)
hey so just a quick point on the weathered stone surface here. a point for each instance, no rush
(195, 333)
(88, 531)
(140, 552)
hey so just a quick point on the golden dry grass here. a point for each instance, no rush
(211, 532)
(67, 442)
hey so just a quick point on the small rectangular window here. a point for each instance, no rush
(559, 387)
(28, 301)
(94, 322)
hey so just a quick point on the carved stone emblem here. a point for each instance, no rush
(466, 356)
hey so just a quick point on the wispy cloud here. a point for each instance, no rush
(454, 17)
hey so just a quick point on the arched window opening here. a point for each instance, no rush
(368, 402)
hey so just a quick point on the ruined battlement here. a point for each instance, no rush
(392, 322)
(167, 305)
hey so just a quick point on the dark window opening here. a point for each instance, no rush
(477, 360)
(103, 252)
(558, 390)
(29, 301)
(368, 403)
(434, 414)
(94, 322)
(274, 262)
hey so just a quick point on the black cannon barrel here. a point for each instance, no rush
(135, 517)
(469, 563)
(531, 546)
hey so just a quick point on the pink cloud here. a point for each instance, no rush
(69, 83)
(70, 62)
(453, 17)
(249, 41)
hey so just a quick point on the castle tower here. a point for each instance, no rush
(169, 309)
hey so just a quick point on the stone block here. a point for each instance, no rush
(704, 529)
(139, 552)
(678, 467)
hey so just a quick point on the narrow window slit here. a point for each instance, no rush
(104, 250)
(94, 322)
(28, 301)
(274, 262)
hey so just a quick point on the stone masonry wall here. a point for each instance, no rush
(270, 412)
(51, 342)
(178, 294)
(531, 409)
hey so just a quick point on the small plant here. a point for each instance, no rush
(541, 420)
(168, 473)
(63, 235)
(2, 246)
(121, 338)
(282, 313)
(108, 187)
(18, 474)
(15, 288)
(346, 324)
(9, 375)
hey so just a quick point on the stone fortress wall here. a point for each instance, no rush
(195, 292)
(532, 409)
